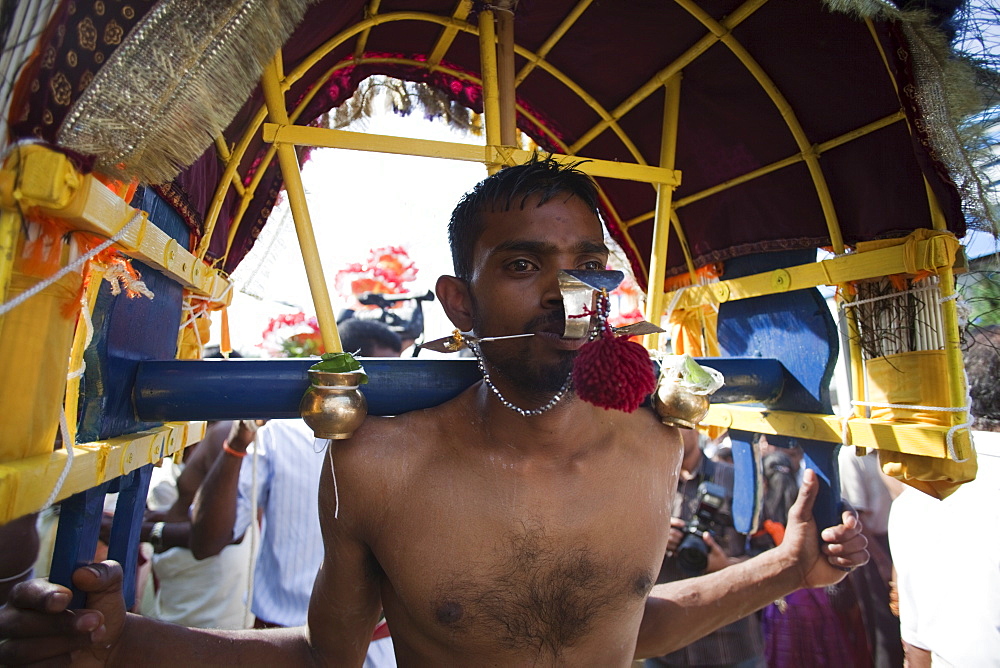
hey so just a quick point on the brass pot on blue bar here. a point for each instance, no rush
(333, 406)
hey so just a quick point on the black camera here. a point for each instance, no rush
(692, 553)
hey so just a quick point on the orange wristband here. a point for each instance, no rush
(234, 453)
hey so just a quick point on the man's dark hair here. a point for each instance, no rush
(363, 335)
(510, 187)
(982, 363)
(214, 352)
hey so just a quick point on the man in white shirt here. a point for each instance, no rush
(947, 552)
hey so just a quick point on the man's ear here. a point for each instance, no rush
(456, 301)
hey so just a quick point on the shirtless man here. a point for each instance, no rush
(488, 536)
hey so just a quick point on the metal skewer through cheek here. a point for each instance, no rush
(500, 338)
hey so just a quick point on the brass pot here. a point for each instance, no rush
(333, 406)
(679, 407)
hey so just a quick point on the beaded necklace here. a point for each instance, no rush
(556, 398)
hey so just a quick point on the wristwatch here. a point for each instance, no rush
(156, 536)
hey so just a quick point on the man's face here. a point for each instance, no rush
(514, 287)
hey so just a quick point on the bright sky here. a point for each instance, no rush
(359, 201)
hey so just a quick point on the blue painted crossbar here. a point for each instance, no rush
(237, 389)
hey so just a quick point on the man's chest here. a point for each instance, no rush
(524, 565)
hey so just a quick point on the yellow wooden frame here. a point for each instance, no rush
(48, 183)
(26, 484)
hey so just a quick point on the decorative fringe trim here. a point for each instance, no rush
(402, 98)
(949, 96)
(175, 83)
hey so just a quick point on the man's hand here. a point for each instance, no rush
(242, 434)
(844, 548)
(676, 535)
(36, 626)
(717, 557)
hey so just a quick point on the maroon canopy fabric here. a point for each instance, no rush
(827, 65)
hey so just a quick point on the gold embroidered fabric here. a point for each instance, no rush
(175, 82)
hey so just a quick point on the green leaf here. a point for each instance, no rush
(338, 363)
(695, 374)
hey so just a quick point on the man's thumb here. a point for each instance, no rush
(103, 584)
(801, 510)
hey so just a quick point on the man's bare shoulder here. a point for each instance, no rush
(387, 446)
(374, 469)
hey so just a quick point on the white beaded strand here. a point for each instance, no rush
(517, 409)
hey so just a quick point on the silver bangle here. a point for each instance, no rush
(156, 536)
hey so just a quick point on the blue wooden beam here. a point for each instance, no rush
(80, 524)
(240, 389)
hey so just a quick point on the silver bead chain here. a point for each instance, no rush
(556, 398)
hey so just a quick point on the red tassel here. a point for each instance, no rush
(613, 372)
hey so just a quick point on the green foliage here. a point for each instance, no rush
(340, 363)
(981, 291)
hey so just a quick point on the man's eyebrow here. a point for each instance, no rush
(544, 247)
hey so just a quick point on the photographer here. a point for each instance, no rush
(699, 504)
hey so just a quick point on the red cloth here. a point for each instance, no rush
(381, 631)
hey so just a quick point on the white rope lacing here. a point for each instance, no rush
(893, 295)
(949, 436)
(68, 447)
(192, 312)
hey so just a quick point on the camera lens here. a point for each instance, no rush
(692, 555)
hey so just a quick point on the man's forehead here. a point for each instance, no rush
(568, 221)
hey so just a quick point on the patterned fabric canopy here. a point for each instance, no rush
(763, 84)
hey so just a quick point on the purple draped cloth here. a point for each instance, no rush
(815, 629)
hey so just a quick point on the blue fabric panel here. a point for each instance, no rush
(126, 331)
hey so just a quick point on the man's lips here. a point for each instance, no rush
(557, 340)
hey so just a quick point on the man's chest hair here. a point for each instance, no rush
(538, 594)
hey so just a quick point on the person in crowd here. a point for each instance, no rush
(512, 525)
(369, 338)
(792, 450)
(724, 455)
(17, 565)
(810, 627)
(947, 552)
(862, 484)
(203, 593)
(283, 475)
(740, 643)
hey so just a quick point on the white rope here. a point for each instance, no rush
(949, 436)
(845, 429)
(87, 317)
(68, 446)
(891, 295)
(71, 267)
(910, 407)
(333, 474)
(969, 419)
(191, 318)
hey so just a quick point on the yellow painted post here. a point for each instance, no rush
(10, 227)
(957, 391)
(275, 100)
(491, 84)
(81, 339)
(505, 77)
(661, 224)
